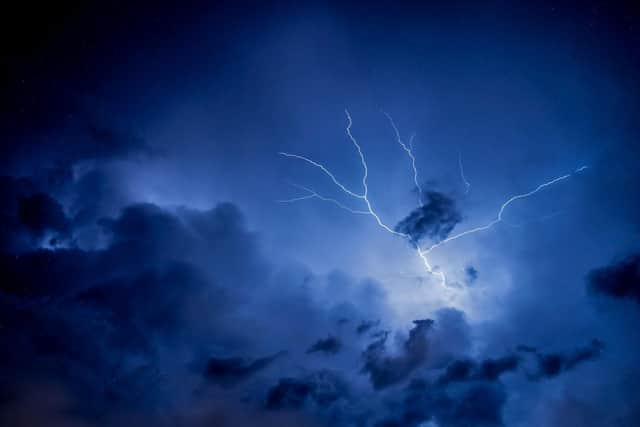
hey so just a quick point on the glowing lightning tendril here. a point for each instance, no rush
(364, 195)
(410, 154)
(464, 178)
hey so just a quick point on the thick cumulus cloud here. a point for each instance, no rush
(476, 404)
(385, 370)
(435, 219)
(179, 310)
(471, 392)
(174, 299)
(429, 342)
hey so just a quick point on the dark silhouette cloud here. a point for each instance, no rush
(329, 345)
(163, 285)
(322, 389)
(289, 393)
(619, 280)
(366, 326)
(429, 342)
(435, 219)
(69, 313)
(385, 370)
(491, 369)
(545, 365)
(30, 217)
(551, 365)
(41, 213)
(487, 370)
(450, 337)
(232, 370)
(471, 274)
(477, 404)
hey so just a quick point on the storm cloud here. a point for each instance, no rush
(435, 219)
(620, 280)
(329, 345)
(550, 365)
(148, 275)
(385, 370)
(231, 370)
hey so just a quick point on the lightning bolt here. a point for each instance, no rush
(503, 207)
(407, 149)
(312, 194)
(363, 195)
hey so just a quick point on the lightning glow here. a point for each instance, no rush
(464, 178)
(364, 195)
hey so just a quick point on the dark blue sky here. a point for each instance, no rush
(150, 273)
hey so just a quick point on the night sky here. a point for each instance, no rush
(211, 217)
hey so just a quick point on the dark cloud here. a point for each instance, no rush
(54, 405)
(122, 324)
(458, 370)
(546, 365)
(41, 213)
(478, 404)
(430, 342)
(526, 348)
(619, 280)
(487, 370)
(329, 345)
(323, 389)
(96, 193)
(30, 217)
(435, 219)
(551, 365)
(385, 370)
(173, 284)
(289, 393)
(366, 326)
(471, 274)
(152, 303)
(49, 273)
(232, 370)
(71, 314)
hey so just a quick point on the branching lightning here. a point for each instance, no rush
(312, 194)
(504, 206)
(363, 196)
(407, 149)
